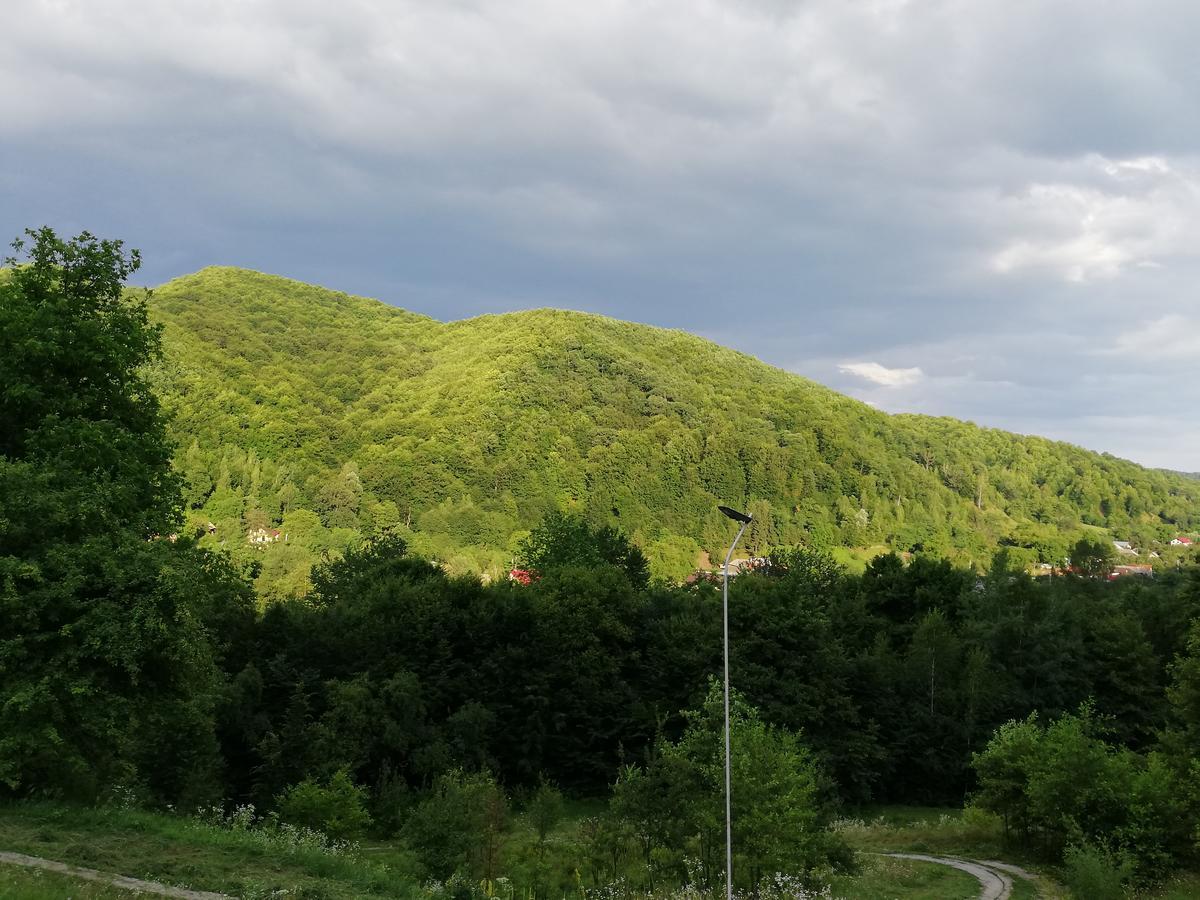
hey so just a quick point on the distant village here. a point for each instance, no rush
(1125, 550)
(1122, 550)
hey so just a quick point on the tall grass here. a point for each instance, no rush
(237, 853)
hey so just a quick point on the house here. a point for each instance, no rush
(1122, 571)
(1182, 541)
(1125, 548)
(742, 566)
(520, 576)
(261, 536)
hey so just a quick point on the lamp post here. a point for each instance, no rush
(745, 520)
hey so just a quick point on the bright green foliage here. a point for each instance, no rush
(336, 807)
(1062, 784)
(290, 398)
(106, 668)
(675, 805)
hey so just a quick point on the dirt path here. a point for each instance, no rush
(996, 883)
(120, 881)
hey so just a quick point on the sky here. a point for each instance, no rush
(986, 209)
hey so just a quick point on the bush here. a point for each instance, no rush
(1093, 873)
(457, 827)
(1062, 785)
(544, 810)
(337, 807)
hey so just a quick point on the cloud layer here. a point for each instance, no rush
(994, 203)
(882, 375)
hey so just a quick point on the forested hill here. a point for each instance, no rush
(330, 418)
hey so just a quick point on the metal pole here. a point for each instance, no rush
(728, 779)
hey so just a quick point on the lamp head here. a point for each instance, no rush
(734, 514)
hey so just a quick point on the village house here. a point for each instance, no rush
(1125, 548)
(1123, 571)
(1182, 541)
(261, 536)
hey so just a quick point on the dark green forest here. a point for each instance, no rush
(334, 419)
(412, 703)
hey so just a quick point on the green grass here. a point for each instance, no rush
(883, 878)
(33, 884)
(180, 851)
(1184, 886)
(942, 832)
(925, 830)
(948, 832)
(855, 559)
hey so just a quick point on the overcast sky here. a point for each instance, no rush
(987, 209)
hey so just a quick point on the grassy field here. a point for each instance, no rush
(942, 832)
(920, 829)
(27, 884)
(179, 851)
(885, 879)
(186, 853)
(1185, 886)
(182, 852)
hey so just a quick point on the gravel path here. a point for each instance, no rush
(996, 883)
(120, 881)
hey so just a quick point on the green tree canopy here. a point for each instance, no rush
(106, 669)
(563, 541)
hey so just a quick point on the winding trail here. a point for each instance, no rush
(119, 881)
(996, 884)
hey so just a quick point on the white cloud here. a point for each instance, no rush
(854, 181)
(1169, 337)
(1083, 227)
(882, 375)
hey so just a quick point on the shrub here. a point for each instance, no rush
(544, 810)
(1061, 785)
(337, 807)
(458, 825)
(1094, 873)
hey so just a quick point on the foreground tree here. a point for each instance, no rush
(107, 675)
(675, 805)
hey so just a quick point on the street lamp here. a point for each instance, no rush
(745, 520)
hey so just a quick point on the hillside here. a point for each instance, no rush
(330, 418)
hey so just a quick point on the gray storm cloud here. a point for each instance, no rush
(978, 209)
